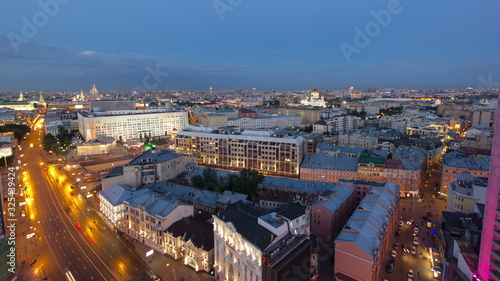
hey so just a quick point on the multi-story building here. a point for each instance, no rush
(152, 166)
(245, 236)
(359, 140)
(364, 240)
(406, 173)
(371, 168)
(193, 240)
(456, 162)
(319, 167)
(147, 216)
(266, 122)
(213, 119)
(345, 124)
(111, 201)
(489, 257)
(257, 150)
(465, 192)
(393, 122)
(331, 212)
(484, 118)
(308, 114)
(131, 124)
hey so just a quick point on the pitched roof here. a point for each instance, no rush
(245, 219)
(200, 232)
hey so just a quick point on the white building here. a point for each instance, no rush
(111, 201)
(131, 124)
(148, 215)
(266, 122)
(465, 192)
(242, 235)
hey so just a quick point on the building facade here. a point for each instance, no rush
(131, 124)
(257, 150)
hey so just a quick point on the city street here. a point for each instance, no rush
(69, 235)
(413, 211)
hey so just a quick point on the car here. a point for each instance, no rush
(415, 240)
(413, 251)
(410, 273)
(415, 229)
(401, 223)
(395, 246)
(398, 232)
(389, 268)
(409, 222)
(78, 225)
(394, 253)
(392, 261)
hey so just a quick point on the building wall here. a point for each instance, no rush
(269, 155)
(347, 255)
(245, 264)
(126, 127)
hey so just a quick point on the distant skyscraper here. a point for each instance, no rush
(21, 96)
(210, 90)
(489, 254)
(94, 92)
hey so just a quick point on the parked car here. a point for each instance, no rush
(394, 253)
(410, 273)
(415, 240)
(395, 246)
(389, 268)
(401, 223)
(413, 251)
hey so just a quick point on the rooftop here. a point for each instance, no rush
(324, 162)
(245, 219)
(155, 155)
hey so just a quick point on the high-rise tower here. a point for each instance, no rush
(489, 254)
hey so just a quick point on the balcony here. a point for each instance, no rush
(498, 212)
(496, 243)
(497, 223)
(496, 232)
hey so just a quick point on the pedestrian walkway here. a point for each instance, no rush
(166, 268)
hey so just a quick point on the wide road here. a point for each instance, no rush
(70, 235)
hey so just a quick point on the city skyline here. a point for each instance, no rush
(66, 45)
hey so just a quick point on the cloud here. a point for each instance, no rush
(44, 67)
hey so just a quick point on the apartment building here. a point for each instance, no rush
(213, 119)
(345, 124)
(266, 122)
(131, 124)
(323, 168)
(364, 240)
(111, 201)
(359, 140)
(308, 114)
(332, 210)
(257, 150)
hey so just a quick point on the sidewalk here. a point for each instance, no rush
(167, 268)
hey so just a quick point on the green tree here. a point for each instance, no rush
(248, 182)
(50, 143)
